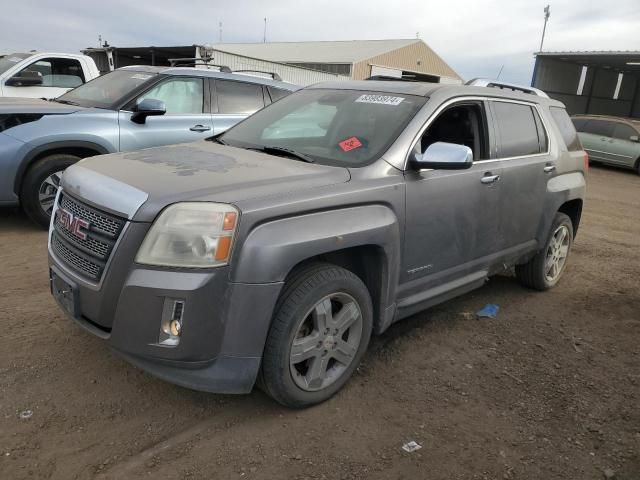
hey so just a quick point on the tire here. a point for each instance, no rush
(326, 361)
(539, 273)
(43, 177)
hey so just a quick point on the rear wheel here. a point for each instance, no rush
(320, 332)
(41, 184)
(544, 270)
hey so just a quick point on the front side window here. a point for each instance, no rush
(462, 124)
(624, 132)
(239, 98)
(107, 90)
(518, 130)
(56, 72)
(334, 127)
(181, 96)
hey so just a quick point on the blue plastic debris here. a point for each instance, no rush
(488, 311)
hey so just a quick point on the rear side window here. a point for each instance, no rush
(518, 130)
(598, 127)
(238, 97)
(623, 132)
(277, 93)
(566, 127)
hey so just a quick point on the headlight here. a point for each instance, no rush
(190, 234)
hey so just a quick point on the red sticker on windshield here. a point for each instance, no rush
(350, 144)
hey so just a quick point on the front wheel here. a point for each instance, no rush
(41, 184)
(544, 270)
(319, 334)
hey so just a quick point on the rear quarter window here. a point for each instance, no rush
(566, 127)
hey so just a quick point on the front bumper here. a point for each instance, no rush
(224, 324)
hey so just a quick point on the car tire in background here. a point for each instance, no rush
(544, 270)
(319, 333)
(40, 185)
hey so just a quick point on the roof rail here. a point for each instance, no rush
(187, 62)
(485, 82)
(274, 75)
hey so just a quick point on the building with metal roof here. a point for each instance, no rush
(357, 59)
(591, 82)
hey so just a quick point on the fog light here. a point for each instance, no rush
(175, 327)
(171, 322)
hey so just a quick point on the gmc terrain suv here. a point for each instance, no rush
(128, 109)
(271, 253)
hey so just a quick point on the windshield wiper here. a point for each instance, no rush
(286, 151)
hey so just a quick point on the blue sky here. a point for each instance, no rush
(476, 38)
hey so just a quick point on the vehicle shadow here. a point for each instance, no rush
(12, 219)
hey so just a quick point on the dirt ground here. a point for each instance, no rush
(548, 390)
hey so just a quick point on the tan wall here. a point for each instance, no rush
(406, 58)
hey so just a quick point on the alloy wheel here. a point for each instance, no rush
(326, 342)
(557, 253)
(48, 190)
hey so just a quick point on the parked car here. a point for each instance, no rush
(273, 251)
(611, 140)
(44, 74)
(128, 109)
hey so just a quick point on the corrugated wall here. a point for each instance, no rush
(407, 58)
(289, 73)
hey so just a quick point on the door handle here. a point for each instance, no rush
(488, 179)
(549, 168)
(200, 128)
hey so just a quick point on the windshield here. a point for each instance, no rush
(11, 60)
(105, 91)
(335, 127)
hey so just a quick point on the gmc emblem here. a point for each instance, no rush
(72, 224)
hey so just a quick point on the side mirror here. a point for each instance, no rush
(25, 79)
(148, 107)
(634, 138)
(445, 156)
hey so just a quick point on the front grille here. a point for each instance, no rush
(87, 256)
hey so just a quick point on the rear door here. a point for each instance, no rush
(527, 164)
(188, 116)
(234, 101)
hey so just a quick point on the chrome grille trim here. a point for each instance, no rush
(71, 258)
(86, 256)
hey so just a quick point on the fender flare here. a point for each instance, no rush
(271, 250)
(35, 152)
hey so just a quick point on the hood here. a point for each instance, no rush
(144, 182)
(34, 105)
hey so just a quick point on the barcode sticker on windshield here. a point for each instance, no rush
(14, 59)
(141, 76)
(381, 99)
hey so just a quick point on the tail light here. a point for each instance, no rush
(586, 162)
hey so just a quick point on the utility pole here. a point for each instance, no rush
(99, 40)
(220, 32)
(547, 13)
(264, 37)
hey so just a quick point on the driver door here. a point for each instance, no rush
(452, 216)
(187, 119)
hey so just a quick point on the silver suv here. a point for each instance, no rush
(272, 252)
(128, 109)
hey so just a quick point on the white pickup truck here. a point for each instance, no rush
(44, 74)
